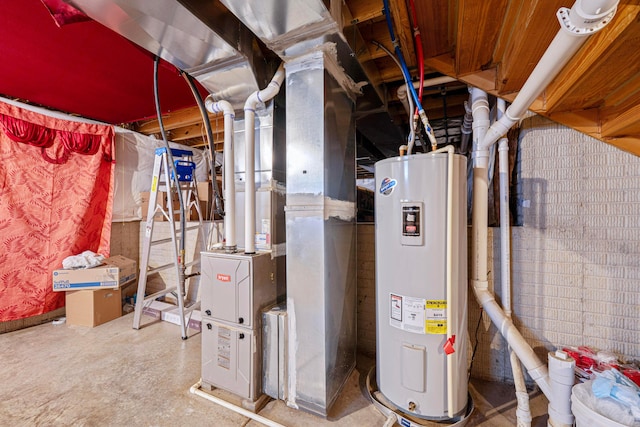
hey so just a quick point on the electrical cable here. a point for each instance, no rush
(174, 173)
(475, 346)
(209, 132)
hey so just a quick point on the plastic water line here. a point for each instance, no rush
(407, 76)
(229, 181)
(418, 43)
(584, 19)
(196, 389)
(254, 99)
(407, 102)
(523, 411)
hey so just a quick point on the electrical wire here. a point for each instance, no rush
(209, 132)
(475, 345)
(174, 173)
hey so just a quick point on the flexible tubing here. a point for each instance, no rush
(195, 389)
(210, 141)
(183, 225)
(418, 42)
(407, 77)
(226, 108)
(263, 95)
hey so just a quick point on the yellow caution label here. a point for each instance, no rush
(154, 183)
(436, 327)
(435, 317)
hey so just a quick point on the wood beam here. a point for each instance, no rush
(403, 30)
(435, 20)
(179, 118)
(364, 10)
(621, 121)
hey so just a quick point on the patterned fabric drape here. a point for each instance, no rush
(56, 194)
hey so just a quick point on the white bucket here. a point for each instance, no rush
(586, 417)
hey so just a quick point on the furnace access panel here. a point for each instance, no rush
(235, 288)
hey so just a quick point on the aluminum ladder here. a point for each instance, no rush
(163, 181)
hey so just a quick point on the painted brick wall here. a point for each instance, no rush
(576, 259)
(366, 310)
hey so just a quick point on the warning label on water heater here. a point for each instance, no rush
(418, 315)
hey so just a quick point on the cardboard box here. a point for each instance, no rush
(113, 273)
(93, 307)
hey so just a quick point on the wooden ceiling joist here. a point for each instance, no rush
(180, 118)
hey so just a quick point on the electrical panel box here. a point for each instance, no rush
(234, 290)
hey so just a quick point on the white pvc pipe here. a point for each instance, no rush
(229, 180)
(449, 149)
(585, 18)
(561, 371)
(479, 271)
(402, 90)
(195, 389)
(505, 229)
(263, 95)
(523, 411)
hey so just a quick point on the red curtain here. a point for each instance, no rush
(56, 194)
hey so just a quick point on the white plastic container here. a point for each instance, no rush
(586, 417)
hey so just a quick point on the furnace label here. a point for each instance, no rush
(224, 348)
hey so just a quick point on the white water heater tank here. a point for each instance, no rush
(421, 323)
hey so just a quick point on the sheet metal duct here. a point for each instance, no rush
(321, 232)
(217, 51)
(291, 28)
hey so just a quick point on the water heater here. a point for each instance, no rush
(421, 284)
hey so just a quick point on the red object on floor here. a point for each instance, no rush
(56, 198)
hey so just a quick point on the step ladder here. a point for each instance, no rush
(163, 181)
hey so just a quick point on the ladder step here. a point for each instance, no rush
(158, 269)
(159, 294)
(169, 239)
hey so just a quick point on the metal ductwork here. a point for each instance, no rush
(217, 51)
(292, 28)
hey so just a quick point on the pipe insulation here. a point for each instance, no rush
(584, 19)
(250, 105)
(226, 109)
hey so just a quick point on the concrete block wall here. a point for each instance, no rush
(576, 259)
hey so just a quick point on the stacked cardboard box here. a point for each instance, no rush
(93, 295)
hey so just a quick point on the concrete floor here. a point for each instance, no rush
(113, 375)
